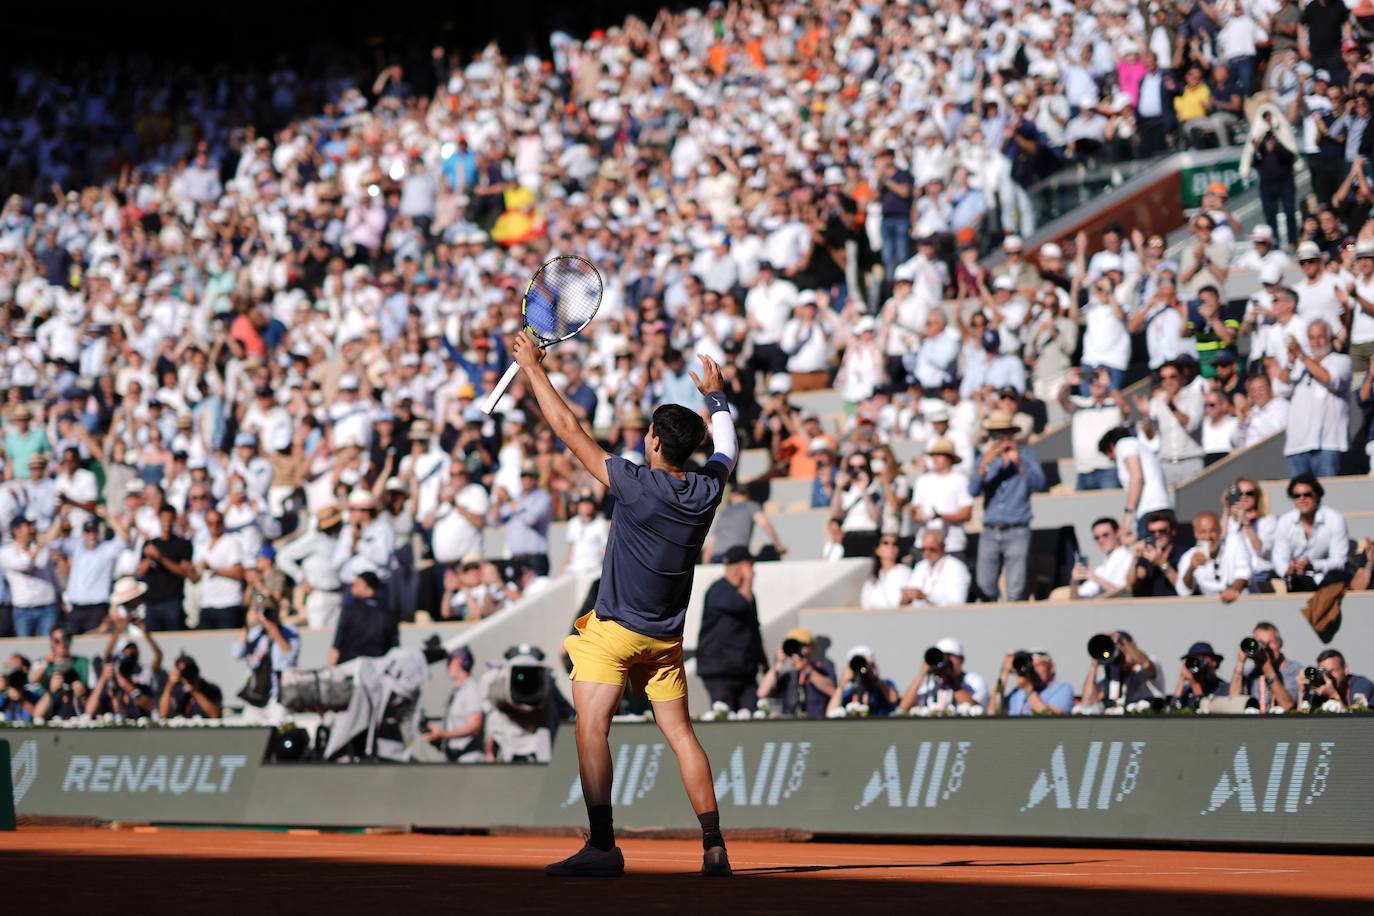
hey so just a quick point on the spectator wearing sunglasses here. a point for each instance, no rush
(1249, 523)
(1155, 571)
(1108, 577)
(857, 506)
(1312, 543)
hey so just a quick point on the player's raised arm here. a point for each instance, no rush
(712, 387)
(564, 423)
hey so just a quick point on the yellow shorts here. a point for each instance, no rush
(604, 652)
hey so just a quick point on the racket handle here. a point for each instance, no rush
(500, 390)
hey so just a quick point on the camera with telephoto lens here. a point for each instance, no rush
(1252, 648)
(1316, 677)
(1196, 665)
(863, 673)
(791, 647)
(935, 658)
(1023, 663)
(128, 666)
(1104, 650)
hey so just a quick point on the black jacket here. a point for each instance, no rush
(729, 643)
(367, 627)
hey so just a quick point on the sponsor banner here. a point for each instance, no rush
(1195, 180)
(1178, 779)
(187, 775)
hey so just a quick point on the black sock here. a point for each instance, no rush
(603, 834)
(710, 830)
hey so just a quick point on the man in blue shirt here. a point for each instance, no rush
(634, 633)
(1037, 692)
(527, 518)
(1006, 476)
(90, 569)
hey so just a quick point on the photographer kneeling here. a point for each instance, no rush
(1120, 671)
(188, 695)
(861, 683)
(1037, 692)
(65, 697)
(943, 682)
(803, 683)
(1330, 679)
(1198, 678)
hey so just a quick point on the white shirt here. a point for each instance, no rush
(32, 580)
(1271, 341)
(1362, 327)
(1090, 422)
(808, 348)
(945, 581)
(1163, 340)
(1113, 569)
(770, 305)
(1216, 574)
(1266, 528)
(1327, 548)
(454, 536)
(1176, 440)
(933, 694)
(1318, 300)
(886, 590)
(941, 494)
(1319, 415)
(80, 486)
(431, 470)
(220, 591)
(1222, 436)
(1106, 339)
(587, 541)
(1155, 492)
(1263, 422)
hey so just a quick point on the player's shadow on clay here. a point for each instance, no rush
(954, 863)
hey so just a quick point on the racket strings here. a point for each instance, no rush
(562, 298)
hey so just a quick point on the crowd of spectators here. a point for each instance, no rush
(248, 316)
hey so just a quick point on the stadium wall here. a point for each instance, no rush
(1272, 781)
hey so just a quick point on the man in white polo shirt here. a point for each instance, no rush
(1319, 411)
(1362, 304)
(1094, 415)
(1321, 295)
(1143, 479)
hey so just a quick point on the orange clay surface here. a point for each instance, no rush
(155, 870)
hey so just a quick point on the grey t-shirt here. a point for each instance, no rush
(465, 701)
(659, 525)
(735, 526)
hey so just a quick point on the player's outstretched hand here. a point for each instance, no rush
(710, 379)
(527, 353)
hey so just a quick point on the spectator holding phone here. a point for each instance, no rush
(1214, 566)
(1155, 571)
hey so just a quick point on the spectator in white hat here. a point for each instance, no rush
(1362, 305)
(942, 682)
(368, 542)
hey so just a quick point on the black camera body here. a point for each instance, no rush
(935, 658)
(1196, 665)
(16, 679)
(1023, 663)
(1316, 677)
(127, 666)
(791, 647)
(1252, 648)
(1104, 650)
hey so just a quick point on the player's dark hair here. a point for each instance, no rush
(679, 432)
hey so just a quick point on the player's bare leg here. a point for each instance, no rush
(596, 705)
(675, 722)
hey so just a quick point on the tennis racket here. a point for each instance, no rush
(560, 301)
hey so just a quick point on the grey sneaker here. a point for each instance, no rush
(716, 863)
(590, 862)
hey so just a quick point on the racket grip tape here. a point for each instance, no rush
(500, 390)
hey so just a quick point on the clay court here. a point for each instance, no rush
(238, 870)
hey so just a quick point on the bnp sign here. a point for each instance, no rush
(1195, 180)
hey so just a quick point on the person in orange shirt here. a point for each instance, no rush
(246, 328)
(801, 461)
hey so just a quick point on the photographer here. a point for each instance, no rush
(943, 682)
(268, 647)
(1197, 678)
(1269, 676)
(461, 737)
(1154, 574)
(1330, 679)
(124, 687)
(1127, 675)
(1212, 566)
(19, 697)
(187, 695)
(803, 683)
(60, 658)
(65, 697)
(1037, 692)
(861, 683)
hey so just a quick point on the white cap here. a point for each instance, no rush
(951, 646)
(781, 383)
(1108, 261)
(1051, 250)
(864, 325)
(1272, 273)
(1012, 243)
(1365, 249)
(833, 176)
(904, 274)
(361, 499)
(1262, 233)
(348, 382)
(818, 444)
(856, 651)
(1004, 282)
(1308, 251)
(938, 414)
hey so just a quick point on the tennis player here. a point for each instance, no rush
(662, 513)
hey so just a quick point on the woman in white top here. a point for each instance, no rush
(885, 583)
(942, 494)
(857, 506)
(1106, 341)
(1221, 432)
(1248, 520)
